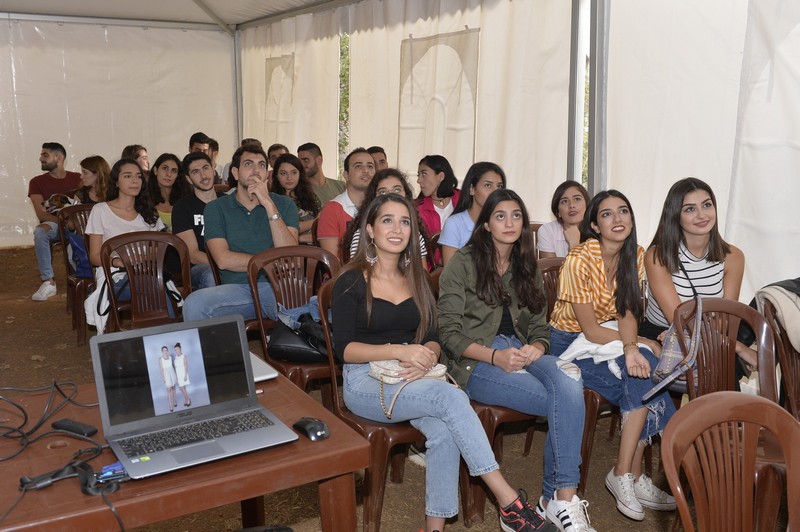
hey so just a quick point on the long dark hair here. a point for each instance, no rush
(561, 190)
(438, 164)
(523, 262)
(629, 291)
(142, 203)
(474, 175)
(304, 194)
(669, 233)
(410, 264)
(371, 194)
(179, 189)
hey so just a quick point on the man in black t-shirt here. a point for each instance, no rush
(187, 216)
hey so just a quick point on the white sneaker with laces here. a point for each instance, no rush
(623, 491)
(540, 508)
(651, 496)
(570, 516)
(45, 291)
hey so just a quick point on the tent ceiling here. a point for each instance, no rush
(231, 12)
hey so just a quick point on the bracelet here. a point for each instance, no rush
(629, 344)
(493, 352)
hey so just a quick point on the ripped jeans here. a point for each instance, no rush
(542, 389)
(626, 392)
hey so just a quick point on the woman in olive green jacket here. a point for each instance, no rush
(494, 334)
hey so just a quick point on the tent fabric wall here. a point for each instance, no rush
(290, 83)
(684, 100)
(98, 88)
(765, 181)
(521, 105)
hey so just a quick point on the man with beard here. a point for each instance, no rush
(324, 187)
(238, 226)
(42, 190)
(337, 215)
(187, 216)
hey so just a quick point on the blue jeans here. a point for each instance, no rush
(542, 390)
(626, 392)
(443, 414)
(41, 246)
(228, 299)
(202, 276)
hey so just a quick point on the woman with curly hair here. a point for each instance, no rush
(167, 184)
(289, 179)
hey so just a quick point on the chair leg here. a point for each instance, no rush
(592, 402)
(477, 496)
(398, 463)
(375, 484)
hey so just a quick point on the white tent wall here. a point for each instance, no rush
(522, 96)
(290, 83)
(682, 102)
(96, 88)
(765, 184)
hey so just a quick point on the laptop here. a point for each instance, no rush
(262, 371)
(179, 395)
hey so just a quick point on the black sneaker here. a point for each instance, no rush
(520, 517)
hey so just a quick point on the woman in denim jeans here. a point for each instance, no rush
(383, 308)
(493, 326)
(600, 281)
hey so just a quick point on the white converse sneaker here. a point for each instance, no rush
(570, 516)
(651, 496)
(45, 291)
(622, 489)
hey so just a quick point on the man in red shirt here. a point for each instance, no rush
(338, 214)
(46, 192)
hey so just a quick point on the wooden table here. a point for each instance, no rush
(244, 478)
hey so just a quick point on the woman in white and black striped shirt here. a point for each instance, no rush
(688, 255)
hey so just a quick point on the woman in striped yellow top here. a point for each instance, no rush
(600, 282)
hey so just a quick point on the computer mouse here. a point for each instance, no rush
(314, 428)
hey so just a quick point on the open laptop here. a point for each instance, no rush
(181, 394)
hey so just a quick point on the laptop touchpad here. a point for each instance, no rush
(198, 452)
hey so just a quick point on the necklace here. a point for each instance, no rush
(441, 201)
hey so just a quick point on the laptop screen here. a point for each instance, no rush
(171, 369)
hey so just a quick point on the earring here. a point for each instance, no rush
(406, 261)
(371, 260)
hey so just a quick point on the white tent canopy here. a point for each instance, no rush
(693, 88)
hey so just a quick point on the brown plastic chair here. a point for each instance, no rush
(434, 253)
(713, 440)
(789, 360)
(295, 273)
(716, 356)
(388, 441)
(535, 231)
(142, 254)
(74, 218)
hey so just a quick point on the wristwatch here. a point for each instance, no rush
(276, 216)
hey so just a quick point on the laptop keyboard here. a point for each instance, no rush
(196, 432)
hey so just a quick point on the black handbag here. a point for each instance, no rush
(301, 345)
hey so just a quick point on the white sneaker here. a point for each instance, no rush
(415, 456)
(623, 491)
(46, 291)
(651, 496)
(570, 516)
(540, 508)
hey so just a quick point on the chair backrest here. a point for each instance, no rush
(535, 231)
(295, 274)
(434, 253)
(551, 269)
(324, 301)
(214, 268)
(789, 360)
(716, 356)
(142, 254)
(434, 276)
(73, 218)
(714, 440)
